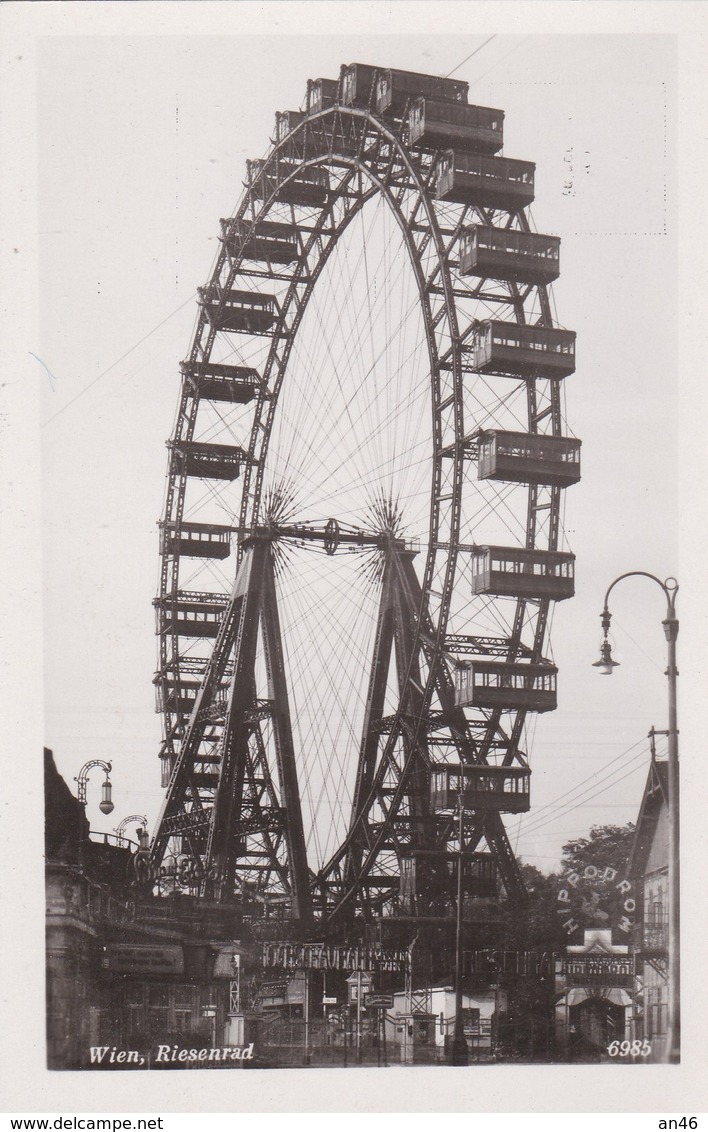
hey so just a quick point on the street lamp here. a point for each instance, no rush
(143, 839)
(606, 665)
(105, 805)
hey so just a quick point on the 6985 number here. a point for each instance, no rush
(637, 1048)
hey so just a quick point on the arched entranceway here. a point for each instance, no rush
(588, 1020)
(596, 1022)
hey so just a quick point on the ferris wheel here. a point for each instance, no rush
(361, 541)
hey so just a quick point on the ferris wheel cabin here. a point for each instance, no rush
(235, 384)
(190, 614)
(476, 178)
(508, 686)
(395, 88)
(179, 694)
(207, 461)
(246, 312)
(479, 873)
(509, 350)
(290, 184)
(506, 253)
(508, 571)
(285, 122)
(504, 789)
(522, 457)
(321, 93)
(175, 694)
(391, 88)
(268, 242)
(195, 540)
(356, 81)
(435, 123)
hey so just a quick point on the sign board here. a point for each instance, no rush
(597, 897)
(295, 956)
(143, 959)
(329, 1001)
(600, 970)
(491, 962)
(382, 1001)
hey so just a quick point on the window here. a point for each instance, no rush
(656, 911)
(160, 1009)
(656, 1013)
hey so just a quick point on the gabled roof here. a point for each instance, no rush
(656, 798)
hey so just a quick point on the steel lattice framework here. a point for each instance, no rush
(232, 822)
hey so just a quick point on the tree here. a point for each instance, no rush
(534, 927)
(607, 846)
(538, 926)
(524, 1023)
(594, 890)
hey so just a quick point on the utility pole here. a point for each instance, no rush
(358, 1017)
(459, 1054)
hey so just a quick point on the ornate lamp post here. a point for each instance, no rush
(143, 839)
(105, 805)
(606, 664)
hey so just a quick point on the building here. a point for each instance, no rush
(595, 1005)
(128, 971)
(425, 1033)
(649, 870)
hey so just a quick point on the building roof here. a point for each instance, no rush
(65, 823)
(655, 799)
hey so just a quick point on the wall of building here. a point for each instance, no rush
(659, 850)
(435, 1027)
(650, 859)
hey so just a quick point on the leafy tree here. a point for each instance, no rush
(607, 846)
(524, 1023)
(594, 883)
(538, 925)
(535, 927)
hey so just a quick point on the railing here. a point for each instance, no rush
(111, 839)
(69, 893)
(655, 935)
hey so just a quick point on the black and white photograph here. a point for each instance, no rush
(360, 429)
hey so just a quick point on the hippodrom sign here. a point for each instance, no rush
(585, 892)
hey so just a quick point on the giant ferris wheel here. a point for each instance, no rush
(361, 542)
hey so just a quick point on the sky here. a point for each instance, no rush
(140, 157)
(130, 130)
